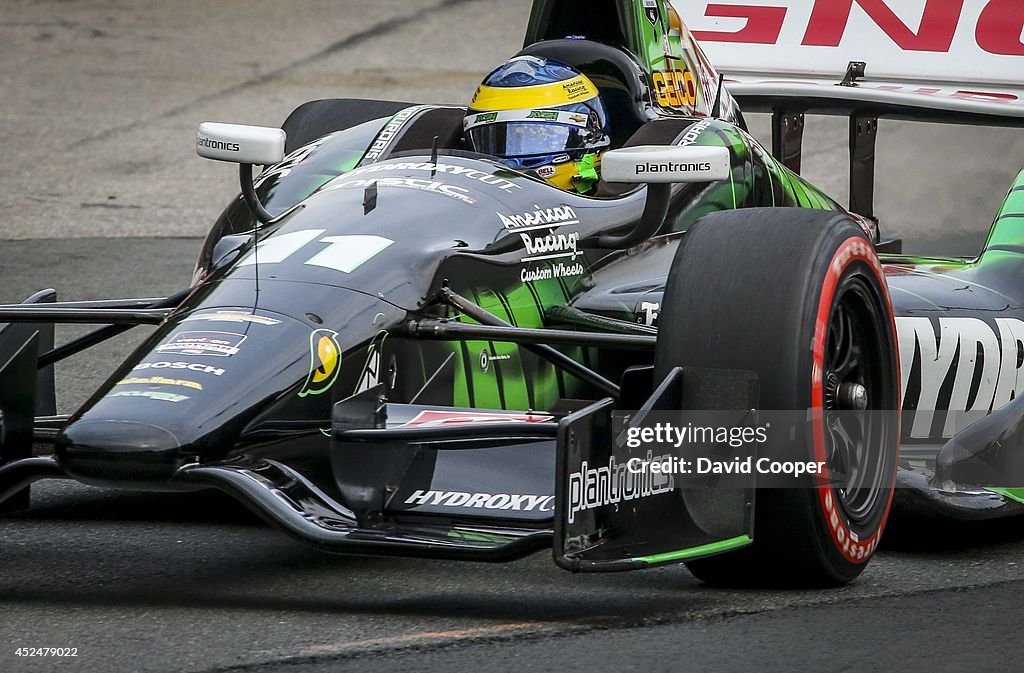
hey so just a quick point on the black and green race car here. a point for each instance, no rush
(393, 346)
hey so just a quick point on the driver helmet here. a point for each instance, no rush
(542, 117)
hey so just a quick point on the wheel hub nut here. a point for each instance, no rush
(853, 396)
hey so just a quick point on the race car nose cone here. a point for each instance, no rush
(119, 453)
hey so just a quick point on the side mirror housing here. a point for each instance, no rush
(245, 146)
(666, 165)
(240, 144)
(659, 168)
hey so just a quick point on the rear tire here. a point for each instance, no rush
(798, 297)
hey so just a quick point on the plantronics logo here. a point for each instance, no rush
(491, 501)
(203, 141)
(670, 167)
(613, 483)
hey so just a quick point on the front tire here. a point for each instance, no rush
(798, 297)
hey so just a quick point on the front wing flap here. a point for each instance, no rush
(610, 517)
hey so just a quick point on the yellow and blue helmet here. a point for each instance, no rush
(541, 116)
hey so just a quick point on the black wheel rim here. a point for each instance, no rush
(859, 401)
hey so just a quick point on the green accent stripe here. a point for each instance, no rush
(697, 552)
(1015, 494)
(1015, 249)
(1006, 229)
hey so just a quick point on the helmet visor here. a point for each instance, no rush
(524, 139)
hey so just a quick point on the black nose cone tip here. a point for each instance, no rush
(122, 453)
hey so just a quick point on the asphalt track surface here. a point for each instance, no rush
(100, 195)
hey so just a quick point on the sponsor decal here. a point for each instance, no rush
(966, 365)
(548, 115)
(545, 115)
(486, 118)
(653, 12)
(558, 270)
(849, 543)
(371, 375)
(443, 417)
(941, 27)
(233, 316)
(542, 218)
(649, 313)
(547, 171)
(856, 248)
(491, 501)
(615, 483)
(486, 358)
(693, 134)
(324, 363)
(433, 186)
(214, 344)
(374, 372)
(160, 381)
(203, 141)
(672, 167)
(576, 89)
(675, 88)
(439, 168)
(551, 246)
(151, 395)
(390, 132)
(185, 366)
(561, 159)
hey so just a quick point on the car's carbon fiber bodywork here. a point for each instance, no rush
(294, 375)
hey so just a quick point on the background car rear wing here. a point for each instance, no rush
(952, 61)
(936, 60)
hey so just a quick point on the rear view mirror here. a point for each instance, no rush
(659, 168)
(240, 144)
(668, 164)
(245, 146)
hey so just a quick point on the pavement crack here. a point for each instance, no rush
(356, 39)
(541, 631)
